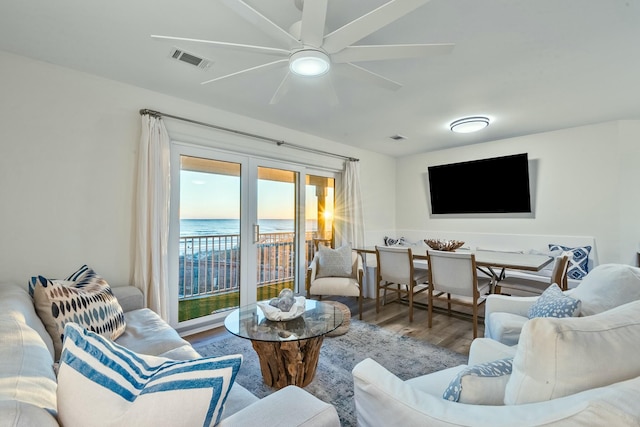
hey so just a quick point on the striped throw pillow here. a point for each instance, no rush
(101, 383)
(87, 301)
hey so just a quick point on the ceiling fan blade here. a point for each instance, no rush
(367, 24)
(384, 52)
(260, 21)
(248, 70)
(361, 74)
(282, 90)
(258, 49)
(314, 15)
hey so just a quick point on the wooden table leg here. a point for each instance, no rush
(288, 362)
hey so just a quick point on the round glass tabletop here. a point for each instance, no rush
(318, 319)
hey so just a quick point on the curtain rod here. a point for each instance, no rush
(278, 142)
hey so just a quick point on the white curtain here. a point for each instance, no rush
(152, 215)
(350, 224)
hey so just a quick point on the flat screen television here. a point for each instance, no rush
(494, 185)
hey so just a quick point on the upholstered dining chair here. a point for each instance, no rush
(336, 272)
(531, 287)
(396, 273)
(455, 274)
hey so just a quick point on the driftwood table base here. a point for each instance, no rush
(286, 363)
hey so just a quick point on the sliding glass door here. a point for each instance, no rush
(210, 236)
(275, 229)
(236, 231)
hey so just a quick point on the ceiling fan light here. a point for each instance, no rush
(469, 124)
(309, 63)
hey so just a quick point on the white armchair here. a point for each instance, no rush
(605, 287)
(345, 283)
(557, 379)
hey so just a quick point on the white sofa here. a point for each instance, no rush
(28, 382)
(605, 287)
(558, 379)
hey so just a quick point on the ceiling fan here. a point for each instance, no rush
(311, 53)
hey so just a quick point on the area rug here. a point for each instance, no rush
(333, 382)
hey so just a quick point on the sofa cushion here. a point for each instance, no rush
(147, 333)
(15, 413)
(15, 301)
(334, 262)
(289, 406)
(554, 303)
(87, 301)
(482, 384)
(101, 383)
(26, 368)
(561, 356)
(607, 286)
(578, 260)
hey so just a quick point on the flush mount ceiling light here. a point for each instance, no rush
(309, 62)
(469, 124)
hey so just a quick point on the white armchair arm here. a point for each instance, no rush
(359, 266)
(487, 350)
(311, 273)
(382, 399)
(508, 304)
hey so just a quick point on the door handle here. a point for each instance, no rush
(256, 233)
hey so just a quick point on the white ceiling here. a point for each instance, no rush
(529, 65)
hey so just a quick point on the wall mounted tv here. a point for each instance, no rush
(495, 185)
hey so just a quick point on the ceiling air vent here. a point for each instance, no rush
(190, 58)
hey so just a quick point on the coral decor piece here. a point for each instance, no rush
(443, 245)
(284, 307)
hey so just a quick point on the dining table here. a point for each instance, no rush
(491, 263)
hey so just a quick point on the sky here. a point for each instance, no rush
(215, 196)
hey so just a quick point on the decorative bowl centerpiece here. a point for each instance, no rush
(443, 245)
(284, 307)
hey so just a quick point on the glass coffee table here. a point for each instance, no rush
(288, 351)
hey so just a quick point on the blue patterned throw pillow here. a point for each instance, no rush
(482, 384)
(554, 303)
(79, 273)
(578, 260)
(87, 301)
(101, 383)
(389, 241)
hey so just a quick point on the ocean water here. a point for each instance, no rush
(216, 227)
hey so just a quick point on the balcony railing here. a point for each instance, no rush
(209, 264)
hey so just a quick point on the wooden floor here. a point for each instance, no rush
(453, 332)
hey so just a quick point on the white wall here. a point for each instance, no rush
(68, 153)
(585, 183)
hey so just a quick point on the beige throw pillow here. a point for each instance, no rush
(558, 357)
(334, 262)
